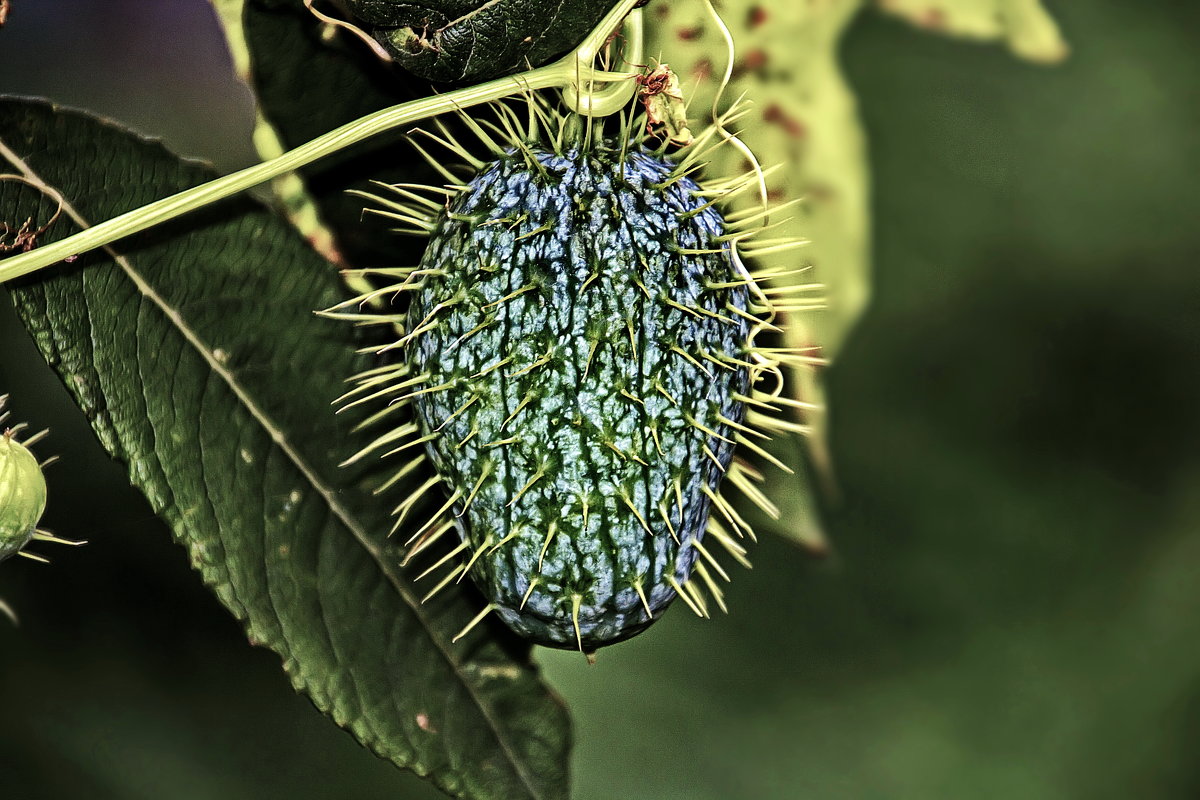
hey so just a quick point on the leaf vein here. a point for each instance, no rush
(301, 464)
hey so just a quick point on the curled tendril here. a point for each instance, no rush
(375, 47)
(24, 235)
(583, 97)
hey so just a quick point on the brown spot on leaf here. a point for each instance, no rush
(756, 17)
(755, 59)
(690, 34)
(933, 18)
(775, 115)
(820, 192)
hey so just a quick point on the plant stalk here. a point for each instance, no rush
(575, 72)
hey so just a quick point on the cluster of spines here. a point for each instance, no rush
(416, 210)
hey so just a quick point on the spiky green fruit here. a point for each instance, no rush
(581, 366)
(22, 495)
(577, 362)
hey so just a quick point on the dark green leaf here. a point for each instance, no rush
(472, 40)
(196, 357)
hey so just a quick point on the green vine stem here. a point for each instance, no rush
(575, 74)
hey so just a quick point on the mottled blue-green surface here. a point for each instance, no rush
(571, 404)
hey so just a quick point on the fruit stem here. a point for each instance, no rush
(575, 74)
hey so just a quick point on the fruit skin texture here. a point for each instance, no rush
(22, 495)
(572, 403)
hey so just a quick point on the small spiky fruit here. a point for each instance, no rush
(580, 366)
(22, 495)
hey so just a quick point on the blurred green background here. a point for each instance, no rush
(1012, 609)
